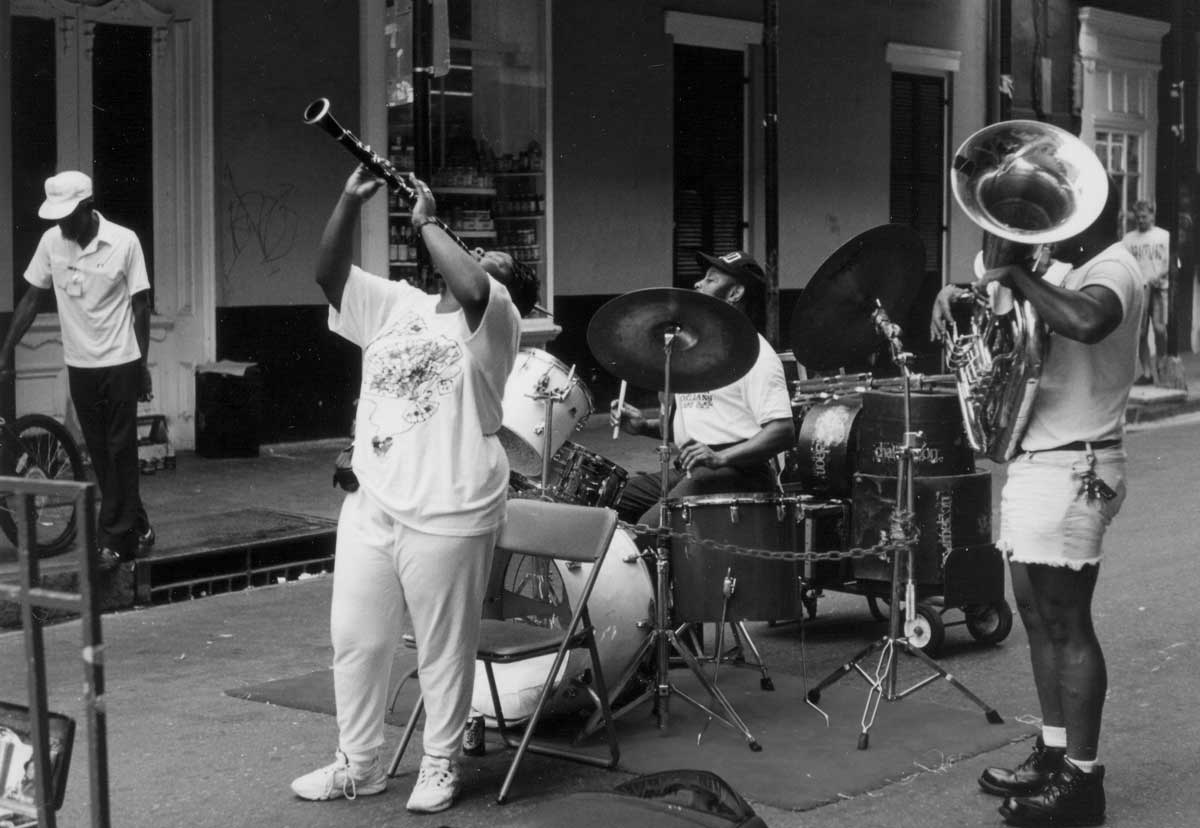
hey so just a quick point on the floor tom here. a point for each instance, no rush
(710, 584)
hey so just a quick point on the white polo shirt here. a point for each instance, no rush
(93, 286)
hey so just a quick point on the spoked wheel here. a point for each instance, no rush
(989, 623)
(44, 450)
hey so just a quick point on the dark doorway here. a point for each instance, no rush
(709, 164)
(918, 187)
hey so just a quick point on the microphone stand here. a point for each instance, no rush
(903, 536)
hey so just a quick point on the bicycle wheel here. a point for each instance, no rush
(44, 450)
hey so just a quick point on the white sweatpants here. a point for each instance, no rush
(384, 571)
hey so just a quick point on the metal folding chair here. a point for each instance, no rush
(550, 531)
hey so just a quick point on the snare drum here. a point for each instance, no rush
(763, 589)
(584, 477)
(535, 376)
(543, 592)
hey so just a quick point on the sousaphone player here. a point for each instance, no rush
(1067, 480)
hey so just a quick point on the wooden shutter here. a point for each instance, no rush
(709, 136)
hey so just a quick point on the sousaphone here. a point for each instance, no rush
(1031, 184)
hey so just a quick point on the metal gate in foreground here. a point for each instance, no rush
(50, 770)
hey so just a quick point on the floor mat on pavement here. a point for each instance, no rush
(803, 763)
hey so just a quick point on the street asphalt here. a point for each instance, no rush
(182, 753)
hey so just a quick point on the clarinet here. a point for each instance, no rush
(317, 114)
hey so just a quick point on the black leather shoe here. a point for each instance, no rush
(1026, 778)
(1071, 798)
(108, 560)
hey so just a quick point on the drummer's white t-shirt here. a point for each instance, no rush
(425, 445)
(739, 410)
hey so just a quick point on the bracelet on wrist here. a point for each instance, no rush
(421, 222)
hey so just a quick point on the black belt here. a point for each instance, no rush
(1081, 445)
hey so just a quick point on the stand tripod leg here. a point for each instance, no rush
(743, 636)
(730, 719)
(814, 695)
(990, 712)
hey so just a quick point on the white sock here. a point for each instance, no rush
(1085, 765)
(1055, 737)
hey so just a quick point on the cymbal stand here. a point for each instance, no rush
(884, 680)
(664, 637)
(550, 397)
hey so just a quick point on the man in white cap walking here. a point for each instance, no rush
(97, 271)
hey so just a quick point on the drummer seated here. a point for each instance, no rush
(726, 438)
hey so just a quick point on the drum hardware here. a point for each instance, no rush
(904, 633)
(706, 344)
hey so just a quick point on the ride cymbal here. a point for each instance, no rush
(714, 342)
(831, 324)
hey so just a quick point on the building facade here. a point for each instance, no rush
(601, 143)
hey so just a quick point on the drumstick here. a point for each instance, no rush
(620, 406)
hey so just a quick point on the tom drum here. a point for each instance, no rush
(537, 376)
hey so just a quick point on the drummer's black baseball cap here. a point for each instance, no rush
(739, 264)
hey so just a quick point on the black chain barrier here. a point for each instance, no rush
(900, 532)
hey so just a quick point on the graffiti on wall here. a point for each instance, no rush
(261, 229)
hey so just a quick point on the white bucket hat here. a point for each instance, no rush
(63, 194)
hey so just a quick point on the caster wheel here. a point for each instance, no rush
(928, 632)
(991, 623)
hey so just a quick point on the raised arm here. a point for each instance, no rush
(1086, 315)
(465, 278)
(336, 251)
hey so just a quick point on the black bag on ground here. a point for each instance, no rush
(669, 799)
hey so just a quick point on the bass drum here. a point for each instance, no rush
(826, 445)
(536, 591)
(535, 375)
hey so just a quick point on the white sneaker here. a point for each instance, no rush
(336, 780)
(437, 786)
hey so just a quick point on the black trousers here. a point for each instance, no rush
(106, 402)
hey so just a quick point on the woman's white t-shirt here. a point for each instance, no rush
(431, 402)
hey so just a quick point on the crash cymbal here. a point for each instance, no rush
(714, 345)
(831, 325)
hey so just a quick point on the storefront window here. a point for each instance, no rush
(485, 132)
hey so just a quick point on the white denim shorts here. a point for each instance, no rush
(1047, 518)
